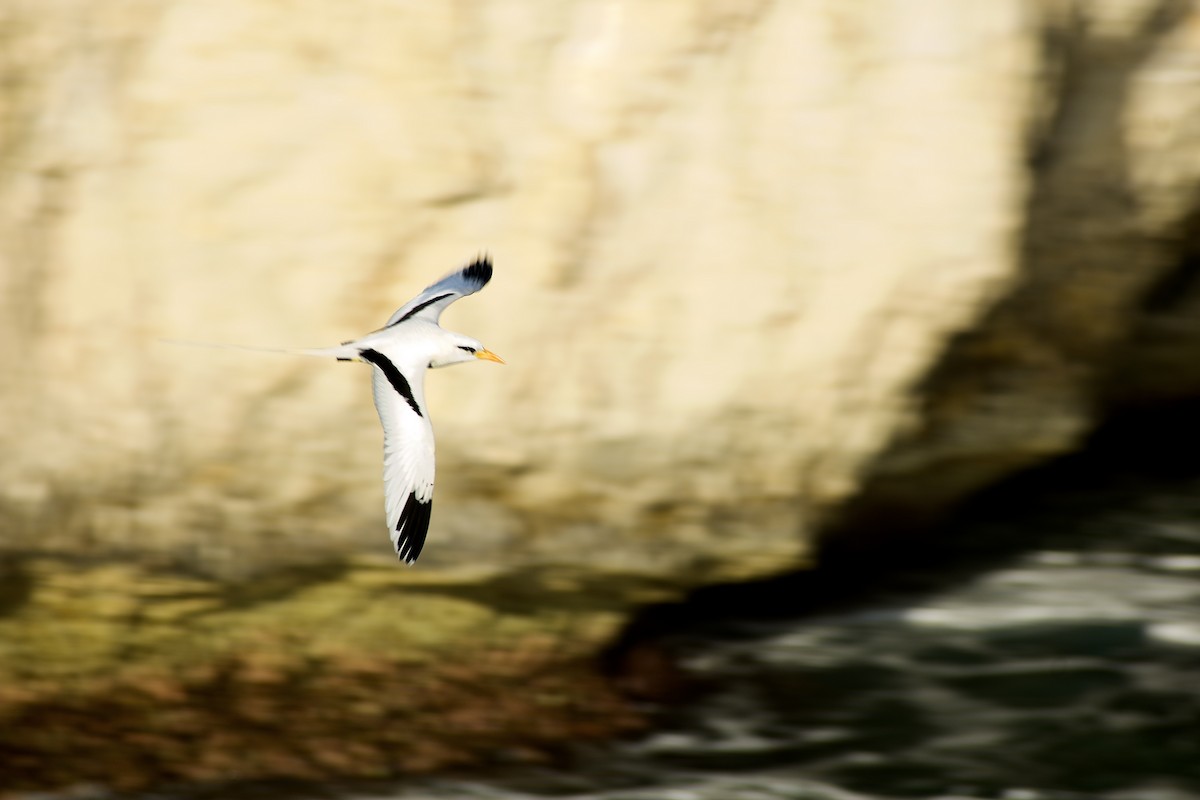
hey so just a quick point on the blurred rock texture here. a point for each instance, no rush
(759, 266)
(730, 238)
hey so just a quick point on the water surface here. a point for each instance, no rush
(1051, 651)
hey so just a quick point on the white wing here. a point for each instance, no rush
(408, 462)
(433, 301)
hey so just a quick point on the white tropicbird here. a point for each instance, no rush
(400, 351)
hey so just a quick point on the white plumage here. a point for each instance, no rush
(400, 352)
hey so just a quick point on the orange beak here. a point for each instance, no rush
(488, 355)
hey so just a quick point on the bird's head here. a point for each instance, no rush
(460, 349)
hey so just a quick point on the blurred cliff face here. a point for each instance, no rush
(752, 260)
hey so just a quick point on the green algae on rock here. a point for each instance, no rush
(126, 677)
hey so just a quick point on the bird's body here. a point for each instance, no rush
(400, 352)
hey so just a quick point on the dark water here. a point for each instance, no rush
(1050, 648)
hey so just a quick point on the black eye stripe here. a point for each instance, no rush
(468, 349)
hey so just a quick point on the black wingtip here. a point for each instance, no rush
(412, 527)
(479, 271)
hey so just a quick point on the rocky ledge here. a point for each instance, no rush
(131, 678)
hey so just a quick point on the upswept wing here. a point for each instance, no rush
(408, 456)
(430, 303)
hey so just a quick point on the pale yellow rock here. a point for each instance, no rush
(730, 238)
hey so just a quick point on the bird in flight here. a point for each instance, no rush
(400, 352)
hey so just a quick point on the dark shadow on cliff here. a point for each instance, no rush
(16, 586)
(1134, 450)
(1027, 381)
